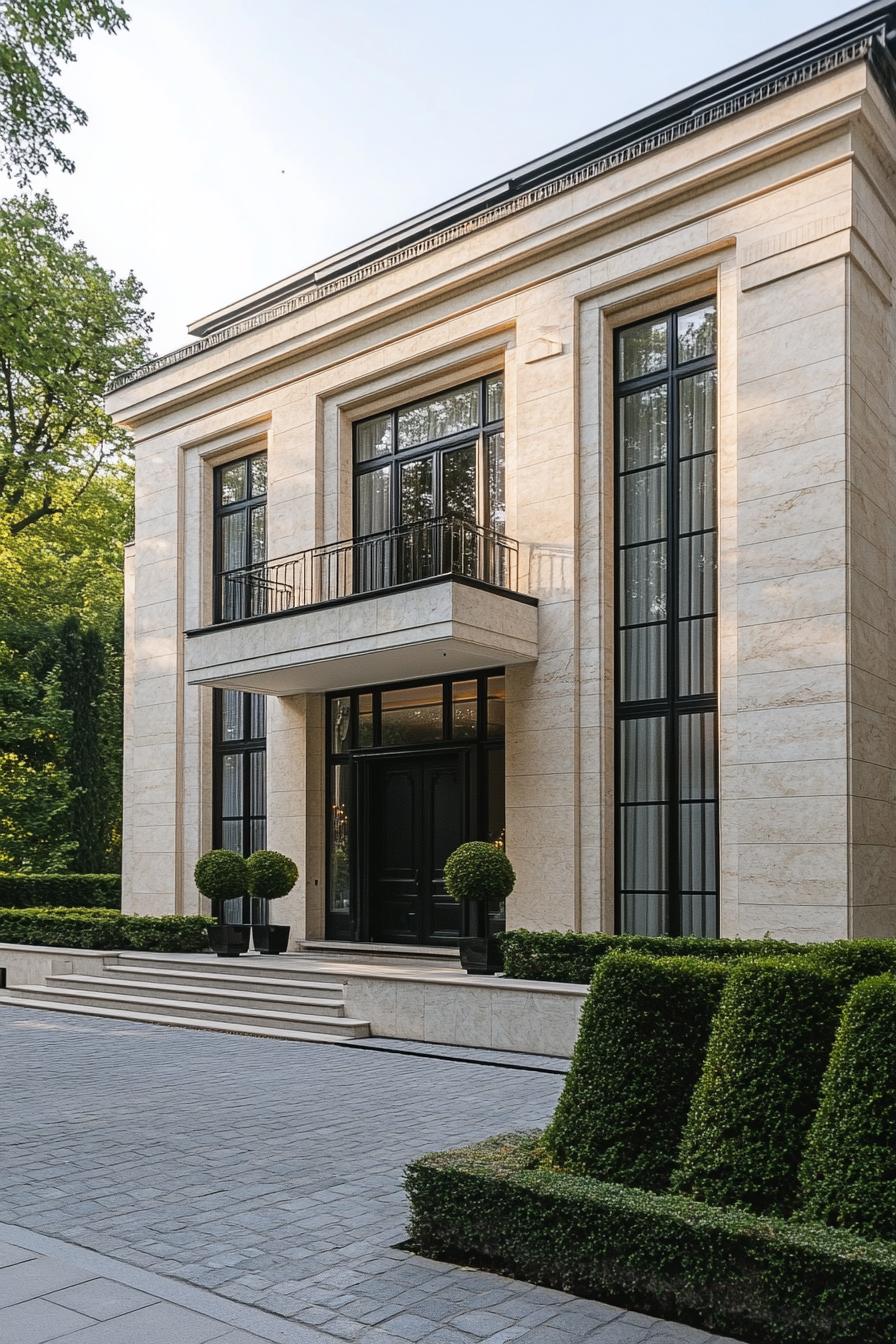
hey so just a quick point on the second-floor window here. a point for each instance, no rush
(240, 537)
(433, 472)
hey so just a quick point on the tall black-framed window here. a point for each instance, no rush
(441, 457)
(465, 711)
(240, 800)
(240, 509)
(666, 624)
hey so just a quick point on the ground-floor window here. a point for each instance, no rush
(412, 770)
(666, 636)
(239, 810)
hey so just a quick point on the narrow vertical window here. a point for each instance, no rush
(240, 810)
(241, 539)
(666, 618)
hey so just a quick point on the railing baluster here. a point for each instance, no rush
(384, 560)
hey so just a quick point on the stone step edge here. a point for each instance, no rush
(75, 994)
(127, 1015)
(237, 995)
(223, 978)
(194, 964)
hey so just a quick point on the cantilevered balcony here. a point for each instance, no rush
(430, 598)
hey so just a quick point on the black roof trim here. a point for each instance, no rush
(866, 32)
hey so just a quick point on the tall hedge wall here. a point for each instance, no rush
(640, 1049)
(757, 1094)
(848, 1176)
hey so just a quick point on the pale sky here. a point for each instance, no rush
(232, 142)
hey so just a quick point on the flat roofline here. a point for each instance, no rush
(865, 19)
(725, 94)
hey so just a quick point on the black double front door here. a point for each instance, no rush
(418, 812)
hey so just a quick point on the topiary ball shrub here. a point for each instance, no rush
(640, 1049)
(757, 1094)
(479, 871)
(271, 875)
(848, 1176)
(221, 875)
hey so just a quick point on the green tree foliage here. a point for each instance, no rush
(848, 1176)
(66, 327)
(37, 38)
(758, 1091)
(35, 787)
(81, 661)
(639, 1052)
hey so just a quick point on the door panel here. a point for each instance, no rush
(445, 827)
(395, 849)
(418, 815)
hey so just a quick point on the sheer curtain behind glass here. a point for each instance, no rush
(666, 573)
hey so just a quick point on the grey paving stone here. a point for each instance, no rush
(13, 1255)
(162, 1323)
(447, 1335)
(481, 1323)
(239, 1337)
(668, 1332)
(307, 1222)
(35, 1278)
(102, 1298)
(36, 1321)
(621, 1332)
(407, 1325)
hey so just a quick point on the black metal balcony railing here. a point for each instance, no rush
(374, 564)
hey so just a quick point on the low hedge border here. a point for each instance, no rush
(76, 891)
(104, 930)
(571, 958)
(761, 1279)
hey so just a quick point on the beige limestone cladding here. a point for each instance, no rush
(784, 213)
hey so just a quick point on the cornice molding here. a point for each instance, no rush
(870, 46)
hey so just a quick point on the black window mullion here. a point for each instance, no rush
(674, 707)
(672, 636)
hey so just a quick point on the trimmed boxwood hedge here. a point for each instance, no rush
(22, 891)
(848, 1176)
(723, 1270)
(99, 930)
(640, 1049)
(571, 958)
(757, 1094)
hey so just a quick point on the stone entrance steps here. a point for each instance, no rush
(251, 998)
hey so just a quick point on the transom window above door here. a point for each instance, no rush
(438, 458)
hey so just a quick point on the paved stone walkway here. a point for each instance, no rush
(269, 1173)
(51, 1290)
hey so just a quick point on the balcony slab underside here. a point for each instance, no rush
(433, 628)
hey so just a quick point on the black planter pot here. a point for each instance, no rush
(229, 940)
(271, 939)
(481, 956)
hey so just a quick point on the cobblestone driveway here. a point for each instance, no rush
(270, 1173)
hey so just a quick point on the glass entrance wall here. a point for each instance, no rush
(666, 636)
(464, 712)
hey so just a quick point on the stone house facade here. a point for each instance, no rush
(561, 515)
